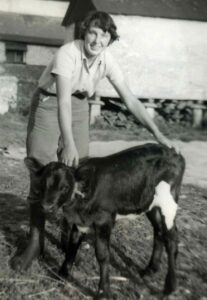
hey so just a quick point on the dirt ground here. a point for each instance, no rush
(131, 240)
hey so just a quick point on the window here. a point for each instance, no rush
(15, 52)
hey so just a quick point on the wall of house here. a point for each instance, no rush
(39, 55)
(35, 7)
(19, 81)
(35, 54)
(161, 58)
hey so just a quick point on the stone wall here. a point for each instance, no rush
(18, 81)
(2, 53)
(17, 84)
(8, 93)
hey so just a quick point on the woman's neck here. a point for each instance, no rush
(90, 60)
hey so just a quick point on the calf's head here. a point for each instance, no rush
(54, 183)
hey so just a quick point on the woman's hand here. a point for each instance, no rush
(69, 155)
(165, 141)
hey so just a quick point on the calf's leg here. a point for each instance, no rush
(102, 241)
(36, 241)
(155, 218)
(74, 243)
(170, 237)
(65, 235)
(171, 245)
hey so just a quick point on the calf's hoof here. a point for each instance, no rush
(148, 271)
(65, 272)
(101, 295)
(19, 263)
(170, 285)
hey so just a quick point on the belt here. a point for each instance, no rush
(79, 96)
(46, 93)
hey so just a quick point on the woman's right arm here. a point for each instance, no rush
(69, 154)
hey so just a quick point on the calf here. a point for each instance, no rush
(146, 179)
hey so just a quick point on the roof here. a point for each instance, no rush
(31, 29)
(172, 9)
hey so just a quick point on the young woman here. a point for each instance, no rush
(74, 73)
(77, 69)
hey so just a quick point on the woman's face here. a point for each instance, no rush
(95, 41)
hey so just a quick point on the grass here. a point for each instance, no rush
(131, 242)
(13, 131)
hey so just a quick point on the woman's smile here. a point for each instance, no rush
(95, 41)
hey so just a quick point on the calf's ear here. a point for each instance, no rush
(32, 164)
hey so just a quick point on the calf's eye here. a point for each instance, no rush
(65, 189)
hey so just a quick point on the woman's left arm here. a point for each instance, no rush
(138, 110)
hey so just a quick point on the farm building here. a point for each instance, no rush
(30, 34)
(161, 48)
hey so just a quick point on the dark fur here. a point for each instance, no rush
(120, 183)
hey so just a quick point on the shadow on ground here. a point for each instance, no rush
(13, 219)
(131, 247)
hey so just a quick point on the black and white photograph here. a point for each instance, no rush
(103, 149)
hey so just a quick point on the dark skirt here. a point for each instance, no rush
(43, 132)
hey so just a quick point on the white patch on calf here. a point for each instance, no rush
(164, 199)
(84, 229)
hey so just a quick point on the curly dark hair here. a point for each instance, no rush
(102, 20)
